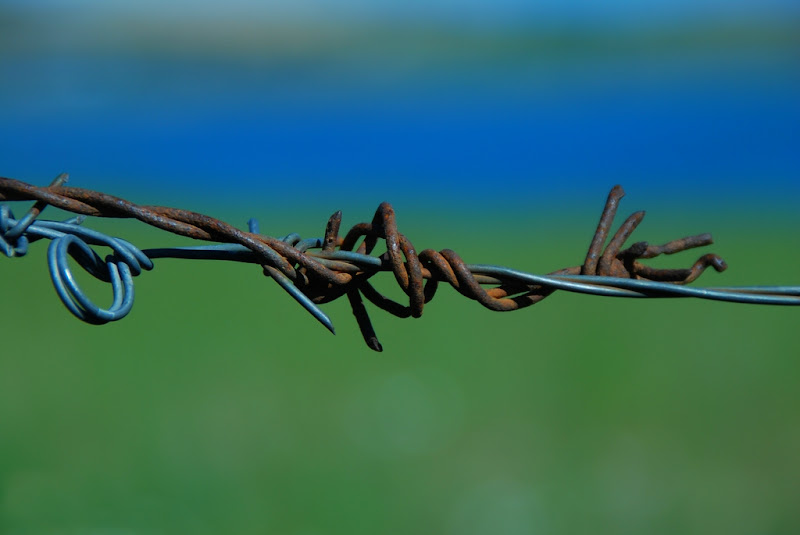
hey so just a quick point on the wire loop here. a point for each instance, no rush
(118, 273)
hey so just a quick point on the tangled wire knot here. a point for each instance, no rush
(319, 270)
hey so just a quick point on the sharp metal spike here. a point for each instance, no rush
(31, 215)
(300, 297)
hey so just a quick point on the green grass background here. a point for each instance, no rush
(220, 406)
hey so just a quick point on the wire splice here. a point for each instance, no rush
(319, 270)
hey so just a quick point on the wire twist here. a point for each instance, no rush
(319, 270)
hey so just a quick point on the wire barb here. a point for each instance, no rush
(319, 270)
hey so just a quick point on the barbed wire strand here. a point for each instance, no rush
(320, 270)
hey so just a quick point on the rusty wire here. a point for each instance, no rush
(319, 270)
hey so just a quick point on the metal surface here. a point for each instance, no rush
(319, 270)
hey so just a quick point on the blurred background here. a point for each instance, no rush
(495, 129)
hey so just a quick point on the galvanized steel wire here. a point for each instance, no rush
(319, 270)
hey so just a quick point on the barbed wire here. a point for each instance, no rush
(319, 270)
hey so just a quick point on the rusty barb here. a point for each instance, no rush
(319, 270)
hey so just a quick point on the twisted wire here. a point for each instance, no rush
(319, 270)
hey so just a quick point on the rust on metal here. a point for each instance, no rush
(316, 279)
